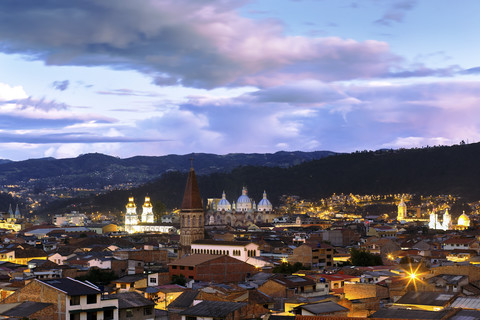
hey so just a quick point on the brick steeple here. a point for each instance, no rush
(191, 215)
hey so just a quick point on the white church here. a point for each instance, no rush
(146, 222)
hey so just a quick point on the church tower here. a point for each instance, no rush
(402, 210)
(191, 215)
(147, 212)
(131, 218)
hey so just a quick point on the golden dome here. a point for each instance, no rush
(131, 203)
(147, 202)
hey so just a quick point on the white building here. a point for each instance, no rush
(244, 251)
(70, 219)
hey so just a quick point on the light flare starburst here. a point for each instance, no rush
(413, 276)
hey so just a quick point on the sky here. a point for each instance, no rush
(158, 77)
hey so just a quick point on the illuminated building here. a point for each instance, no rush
(146, 224)
(242, 212)
(402, 210)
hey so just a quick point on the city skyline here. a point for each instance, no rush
(176, 77)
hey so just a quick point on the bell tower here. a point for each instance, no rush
(191, 215)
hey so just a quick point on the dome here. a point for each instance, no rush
(463, 220)
(243, 202)
(223, 204)
(264, 204)
(147, 202)
(131, 203)
(244, 198)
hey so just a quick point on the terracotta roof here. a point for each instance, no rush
(222, 243)
(194, 259)
(459, 241)
(191, 198)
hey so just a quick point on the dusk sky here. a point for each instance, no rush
(157, 77)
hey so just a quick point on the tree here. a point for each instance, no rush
(98, 276)
(286, 267)
(180, 280)
(159, 209)
(364, 258)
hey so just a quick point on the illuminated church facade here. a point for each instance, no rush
(243, 212)
(146, 222)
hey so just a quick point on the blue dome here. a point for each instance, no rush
(264, 202)
(243, 198)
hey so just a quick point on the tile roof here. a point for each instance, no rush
(408, 314)
(130, 300)
(24, 309)
(184, 300)
(426, 298)
(71, 286)
(466, 303)
(195, 259)
(323, 307)
(215, 309)
(222, 242)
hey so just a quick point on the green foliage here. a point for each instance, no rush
(364, 258)
(180, 280)
(286, 267)
(98, 276)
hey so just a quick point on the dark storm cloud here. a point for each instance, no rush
(191, 43)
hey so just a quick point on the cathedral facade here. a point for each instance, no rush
(242, 212)
(146, 222)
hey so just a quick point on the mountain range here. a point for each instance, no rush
(427, 171)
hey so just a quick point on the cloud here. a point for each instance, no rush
(68, 137)
(8, 93)
(203, 44)
(61, 85)
(396, 12)
(128, 92)
(313, 115)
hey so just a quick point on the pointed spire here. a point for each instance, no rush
(191, 198)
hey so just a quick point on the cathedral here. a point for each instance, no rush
(146, 223)
(242, 212)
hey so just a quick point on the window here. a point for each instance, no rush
(190, 268)
(147, 311)
(75, 316)
(91, 298)
(190, 318)
(74, 300)
(174, 267)
(123, 286)
(92, 315)
(108, 315)
(129, 313)
(182, 267)
(153, 280)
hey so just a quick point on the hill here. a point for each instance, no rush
(97, 170)
(437, 170)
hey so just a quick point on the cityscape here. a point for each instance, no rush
(239, 160)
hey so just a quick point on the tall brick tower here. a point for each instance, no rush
(191, 215)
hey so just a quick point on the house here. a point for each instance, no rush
(27, 310)
(132, 305)
(461, 243)
(318, 255)
(206, 267)
(286, 286)
(324, 308)
(209, 310)
(242, 250)
(131, 282)
(71, 299)
(425, 300)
